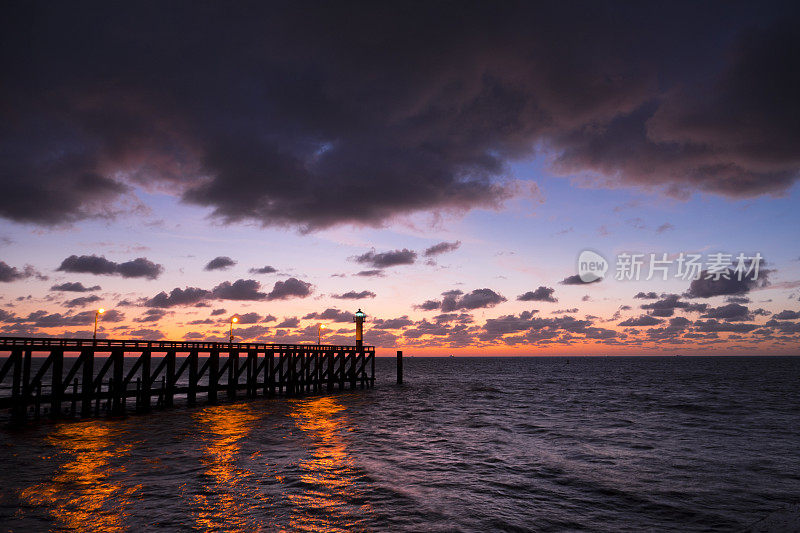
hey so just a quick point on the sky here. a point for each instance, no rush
(442, 167)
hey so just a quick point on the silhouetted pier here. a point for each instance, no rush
(85, 378)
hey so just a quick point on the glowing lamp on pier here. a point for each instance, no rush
(96, 315)
(233, 319)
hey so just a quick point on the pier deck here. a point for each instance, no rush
(57, 377)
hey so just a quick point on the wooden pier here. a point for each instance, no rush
(88, 378)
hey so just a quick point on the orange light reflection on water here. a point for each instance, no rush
(82, 495)
(326, 503)
(226, 501)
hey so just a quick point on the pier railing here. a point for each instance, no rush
(87, 377)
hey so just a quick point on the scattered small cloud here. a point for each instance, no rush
(666, 226)
(76, 286)
(387, 259)
(220, 263)
(576, 280)
(542, 294)
(263, 270)
(9, 273)
(353, 295)
(371, 274)
(441, 248)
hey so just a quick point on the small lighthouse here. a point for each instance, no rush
(359, 320)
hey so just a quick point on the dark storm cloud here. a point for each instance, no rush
(387, 259)
(787, 315)
(83, 301)
(668, 303)
(785, 327)
(92, 264)
(292, 322)
(249, 318)
(151, 315)
(241, 289)
(284, 114)
(542, 294)
(706, 288)
(139, 268)
(76, 286)
(456, 299)
(713, 326)
(729, 313)
(291, 288)
(479, 298)
(441, 248)
(353, 295)
(178, 296)
(263, 270)
(88, 264)
(738, 299)
(43, 319)
(646, 295)
(644, 320)
(429, 305)
(220, 263)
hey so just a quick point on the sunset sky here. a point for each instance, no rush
(439, 166)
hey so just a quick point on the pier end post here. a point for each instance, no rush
(399, 367)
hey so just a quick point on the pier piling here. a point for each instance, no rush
(399, 367)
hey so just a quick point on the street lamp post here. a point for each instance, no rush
(320, 327)
(233, 319)
(96, 315)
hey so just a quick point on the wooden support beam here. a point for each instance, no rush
(169, 393)
(269, 381)
(372, 374)
(317, 372)
(233, 373)
(282, 363)
(352, 374)
(291, 361)
(147, 381)
(87, 383)
(252, 373)
(119, 396)
(6, 366)
(331, 356)
(17, 386)
(191, 395)
(213, 376)
(56, 383)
